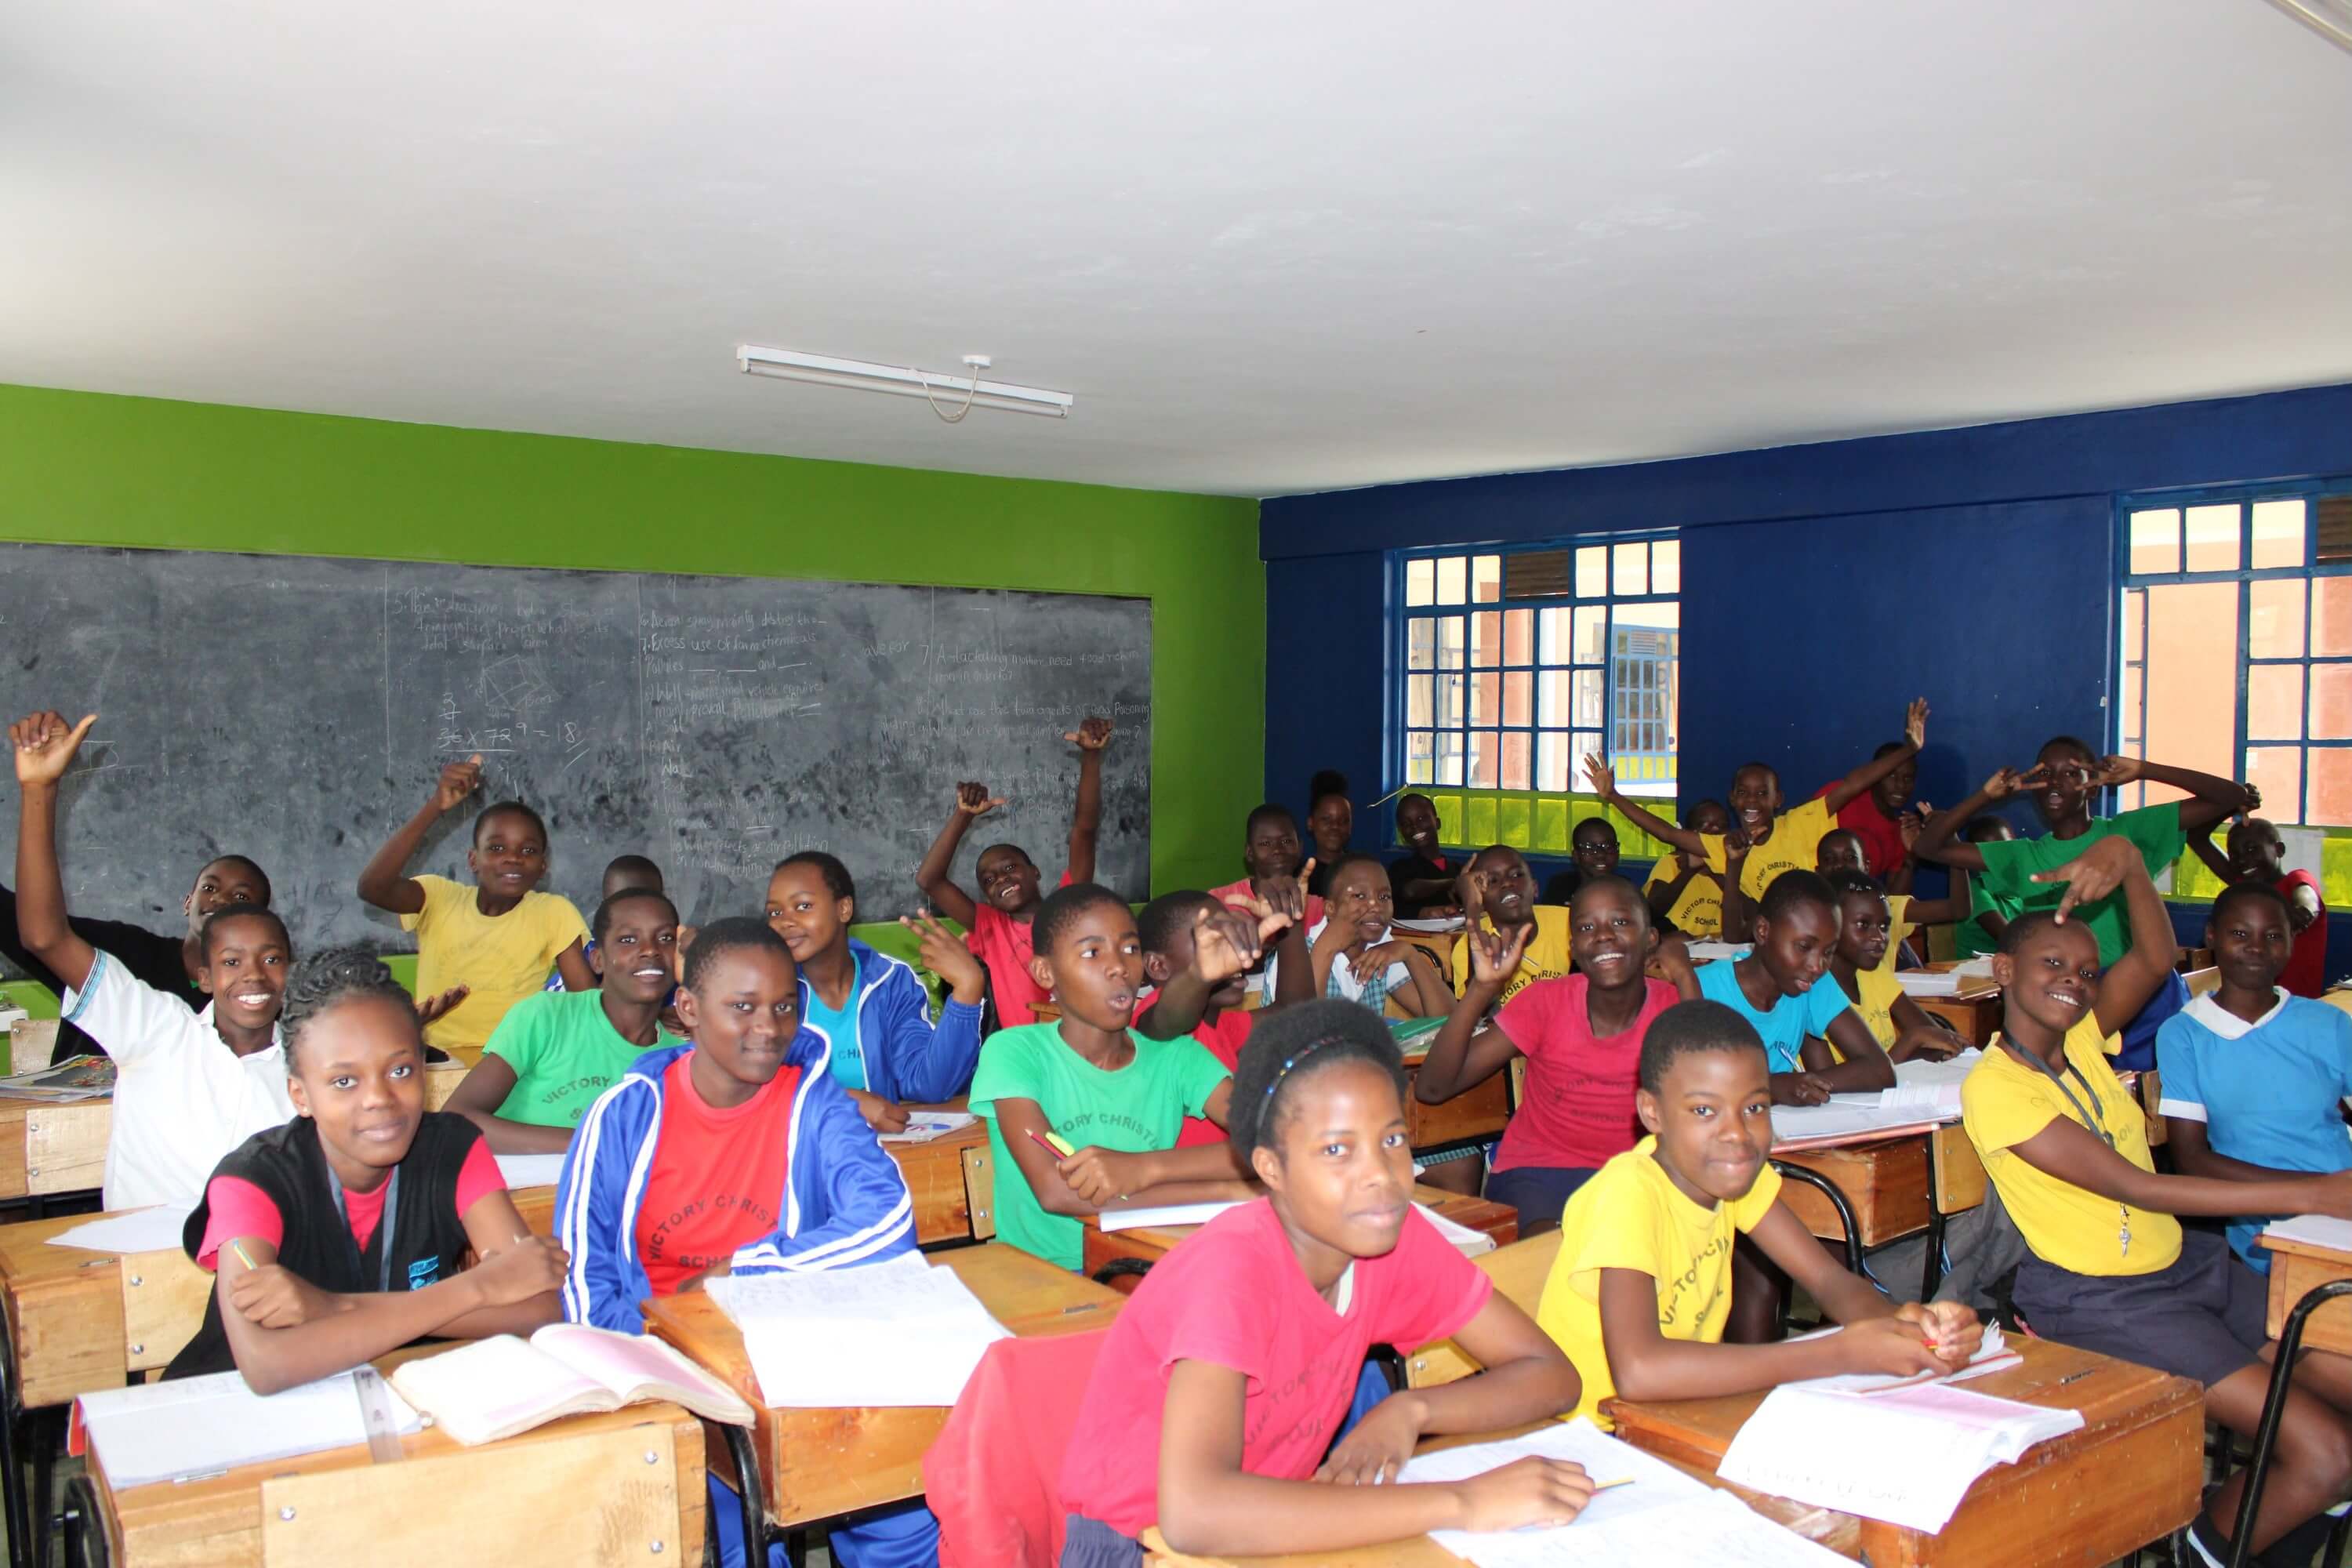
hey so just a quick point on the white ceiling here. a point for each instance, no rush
(1270, 248)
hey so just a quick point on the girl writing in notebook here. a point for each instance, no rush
(1219, 1390)
(343, 1233)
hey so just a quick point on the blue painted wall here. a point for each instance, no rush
(1822, 585)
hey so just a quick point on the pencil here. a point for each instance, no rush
(1620, 1481)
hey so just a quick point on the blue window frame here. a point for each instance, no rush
(2234, 651)
(1512, 665)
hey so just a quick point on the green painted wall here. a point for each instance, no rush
(86, 468)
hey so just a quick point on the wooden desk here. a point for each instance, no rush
(2296, 1267)
(620, 1488)
(1974, 1012)
(815, 1464)
(1151, 1245)
(1438, 944)
(1480, 1112)
(934, 1173)
(1885, 1183)
(2132, 1475)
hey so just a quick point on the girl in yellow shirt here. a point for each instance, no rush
(2111, 1268)
(1865, 934)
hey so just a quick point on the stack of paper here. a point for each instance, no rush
(1907, 1456)
(522, 1171)
(2313, 1230)
(63, 1083)
(898, 1333)
(1710, 952)
(1662, 1515)
(137, 1230)
(1843, 1120)
(164, 1431)
(922, 1126)
(1430, 927)
(1930, 982)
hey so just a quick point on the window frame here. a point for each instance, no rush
(1396, 700)
(2127, 729)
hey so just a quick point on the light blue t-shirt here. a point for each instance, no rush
(1792, 1019)
(2269, 1092)
(840, 1026)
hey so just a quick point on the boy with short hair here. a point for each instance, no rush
(1500, 894)
(1842, 850)
(1641, 1288)
(2257, 855)
(1777, 841)
(1595, 850)
(2254, 1078)
(1777, 988)
(1184, 999)
(1422, 881)
(1877, 817)
(1684, 897)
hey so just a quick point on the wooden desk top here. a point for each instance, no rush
(1498, 1220)
(820, 1463)
(2132, 1475)
(564, 1492)
(79, 1320)
(2297, 1267)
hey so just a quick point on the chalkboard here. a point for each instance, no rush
(297, 709)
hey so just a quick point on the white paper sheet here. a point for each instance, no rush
(891, 1333)
(1905, 1456)
(922, 1126)
(1992, 1355)
(2314, 1230)
(137, 1230)
(531, 1170)
(1716, 952)
(1165, 1215)
(1430, 927)
(199, 1425)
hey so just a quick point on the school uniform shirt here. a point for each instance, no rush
(182, 1098)
(500, 960)
(2010, 863)
(564, 1052)
(1794, 846)
(2270, 1092)
(1697, 909)
(1879, 990)
(2306, 968)
(1632, 1216)
(2004, 1101)
(1973, 940)
(1418, 868)
(1342, 983)
(1004, 947)
(716, 1176)
(1545, 957)
(1882, 853)
(152, 959)
(1234, 1296)
(1898, 931)
(838, 1025)
(1223, 1036)
(1134, 1110)
(902, 1055)
(837, 1199)
(1577, 1113)
(1791, 1021)
(277, 1187)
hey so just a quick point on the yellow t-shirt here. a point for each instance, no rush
(500, 960)
(1794, 846)
(1899, 905)
(1632, 1216)
(1880, 991)
(1697, 909)
(2006, 1102)
(1545, 957)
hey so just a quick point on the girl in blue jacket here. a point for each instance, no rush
(872, 1011)
(737, 1153)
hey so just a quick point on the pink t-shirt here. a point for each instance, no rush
(1224, 1036)
(1234, 1295)
(716, 1179)
(1004, 948)
(240, 1208)
(1577, 1114)
(1239, 894)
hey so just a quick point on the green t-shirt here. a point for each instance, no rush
(1970, 936)
(2009, 866)
(564, 1053)
(1134, 1110)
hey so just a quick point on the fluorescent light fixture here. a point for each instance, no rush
(2331, 19)
(900, 381)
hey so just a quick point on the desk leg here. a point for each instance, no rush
(753, 1496)
(1932, 1271)
(41, 1432)
(85, 1534)
(13, 1496)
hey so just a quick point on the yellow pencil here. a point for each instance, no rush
(1620, 1481)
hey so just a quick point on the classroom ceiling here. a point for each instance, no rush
(1269, 248)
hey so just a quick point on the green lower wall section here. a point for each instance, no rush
(85, 468)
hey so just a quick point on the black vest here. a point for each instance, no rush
(429, 1241)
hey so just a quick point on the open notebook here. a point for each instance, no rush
(496, 1387)
(890, 1334)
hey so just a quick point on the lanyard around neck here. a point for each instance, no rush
(382, 1230)
(2094, 1115)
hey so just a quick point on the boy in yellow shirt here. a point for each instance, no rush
(1641, 1288)
(1499, 895)
(1777, 841)
(1684, 897)
(2110, 1268)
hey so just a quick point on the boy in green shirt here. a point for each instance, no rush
(553, 1052)
(1084, 1112)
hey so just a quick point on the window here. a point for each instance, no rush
(2236, 654)
(1516, 665)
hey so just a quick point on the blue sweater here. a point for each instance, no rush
(906, 1057)
(843, 1202)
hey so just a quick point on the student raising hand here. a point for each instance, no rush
(973, 800)
(457, 781)
(1091, 735)
(44, 745)
(2093, 874)
(944, 954)
(1915, 724)
(1495, 955)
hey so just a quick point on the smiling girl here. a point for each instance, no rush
(189, 1087)
(342, 1235)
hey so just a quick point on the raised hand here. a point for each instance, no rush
(1910, 825)
(46, 746)
(2117, 770)
(1376, 958)
(2007, 782)
(429, 1008)
(1602, 776)
(944, 954)
(457, 781)
(1226, 942)
(1091, 735)
(2253, 801)
(1285, 896)
(973, 799)
(2094, 873)
(1915, 724)
(1493, 955)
